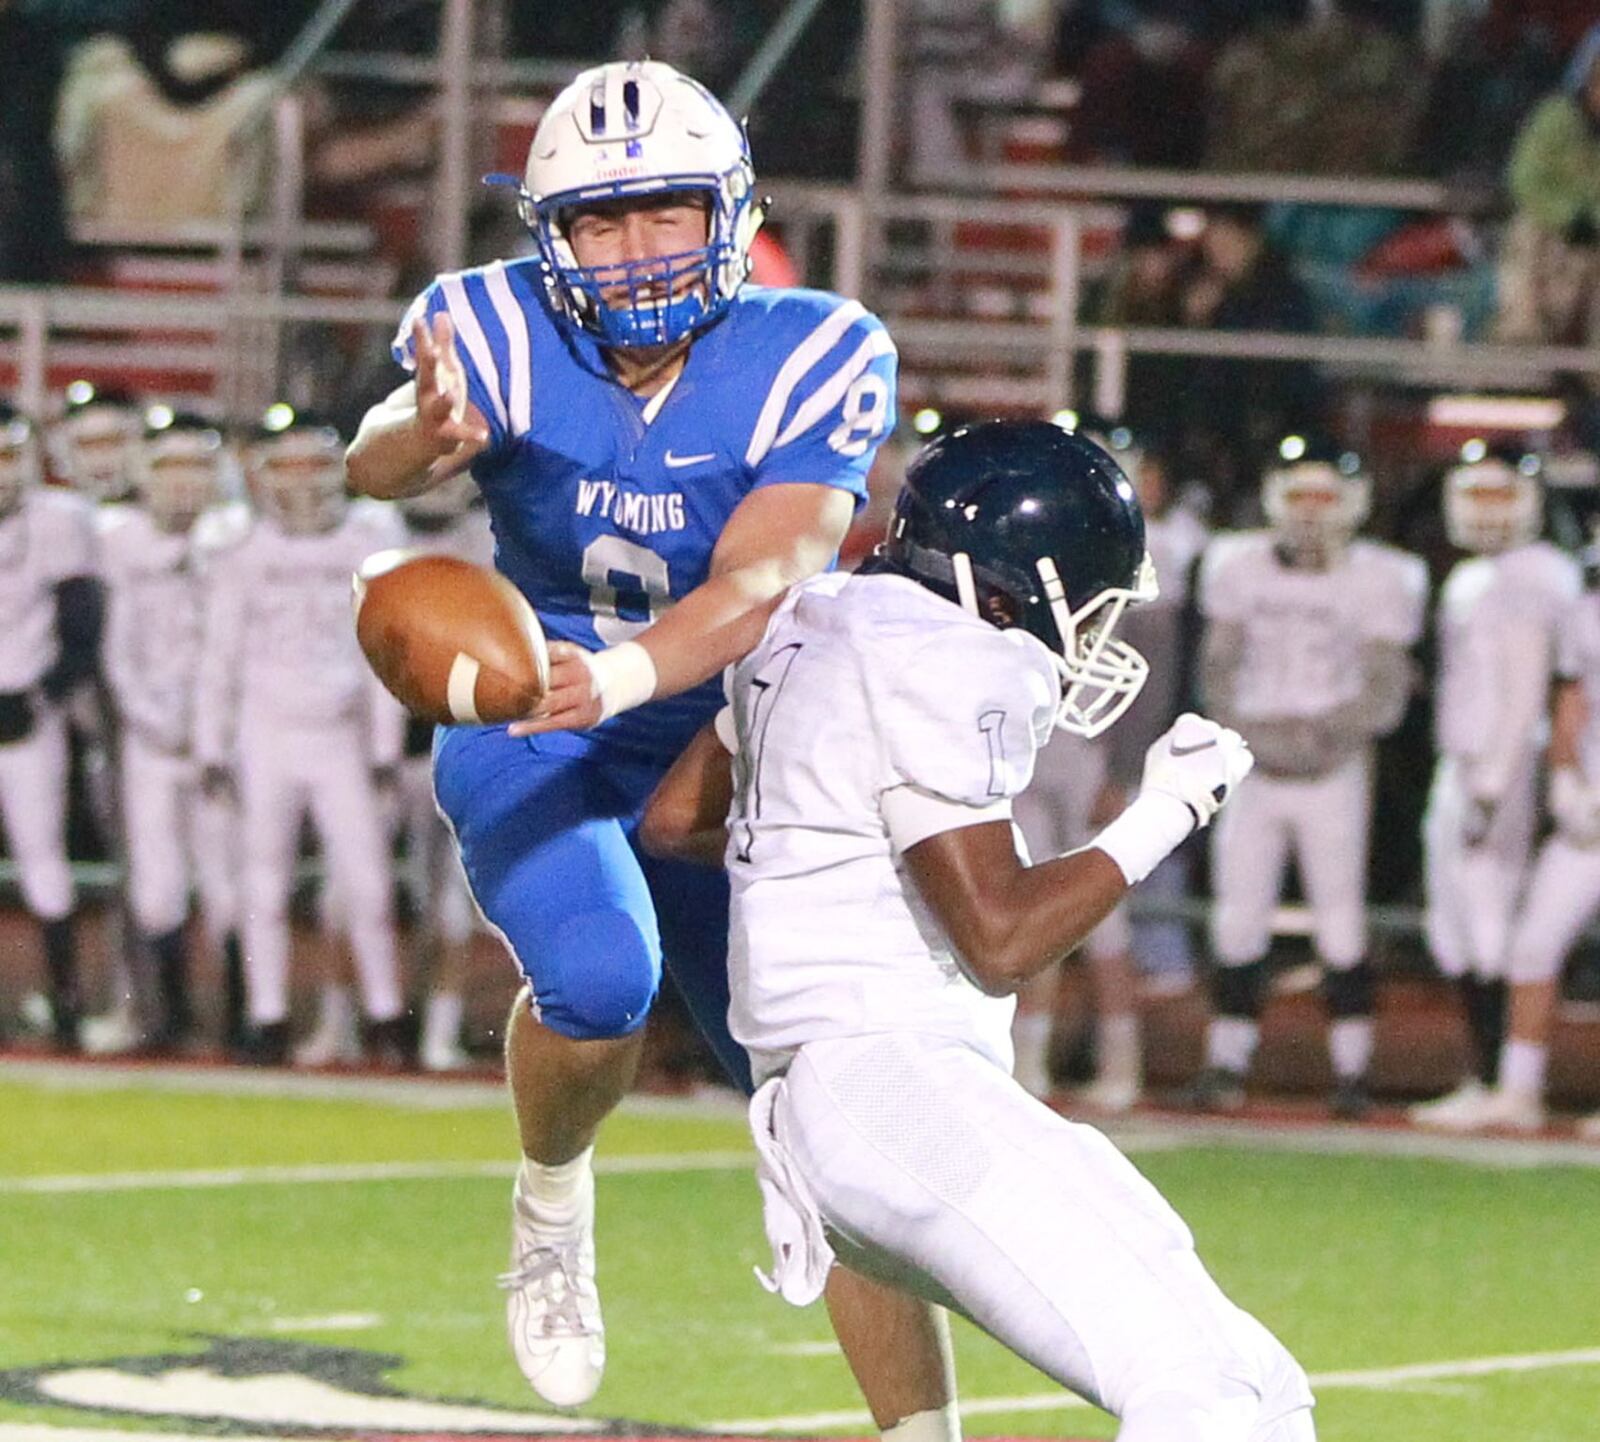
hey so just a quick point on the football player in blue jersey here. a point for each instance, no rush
(663, 449)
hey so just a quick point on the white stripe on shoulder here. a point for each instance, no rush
(470, 330)
(831, 391)
(402, 336)
(805, 355)
(518, 343)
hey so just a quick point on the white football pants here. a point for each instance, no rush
(1054, 816)
(175, 832)
(935, 1171)
(1562, 895)
(1325, 821)
(1472, 891)
(33, 806)
(433, 865)
(284, 771)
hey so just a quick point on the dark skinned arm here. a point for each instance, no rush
(687, 816)
(1006, 921)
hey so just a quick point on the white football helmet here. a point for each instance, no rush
(1491, 505)
(91, 445)
(1315, 507)
(295, 467)
(634, 128)
(439, 505)
(181, 467)
(20, 468)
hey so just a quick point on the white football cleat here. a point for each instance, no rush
(553, 1306)
(333, 1043)
(112, 1033)
(1513, 1111)
(444, 1056)
(1459, 1111)
(1110, 1094)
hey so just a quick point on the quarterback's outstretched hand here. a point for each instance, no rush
(588, 687)
(449, 422)
(1198, 763)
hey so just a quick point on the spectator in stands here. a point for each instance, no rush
(154, 137)
(32, 232)
(1330, 93)
(1144, 87)
(1233, 410)
(1145, 288)
(1550, 267)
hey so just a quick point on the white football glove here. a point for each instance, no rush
(1575, 807)
(1198, 763)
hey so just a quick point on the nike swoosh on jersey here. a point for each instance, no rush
(674, 462)
(1190, 750)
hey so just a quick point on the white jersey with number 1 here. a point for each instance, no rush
(869, 702)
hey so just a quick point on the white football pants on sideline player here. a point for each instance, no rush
(1472, 891)
(284, 771)
(1325, 821)
(175, 833)
(1562, 895)
(934, 1170)
(33, 808)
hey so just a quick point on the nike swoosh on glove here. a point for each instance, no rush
(1199, 763)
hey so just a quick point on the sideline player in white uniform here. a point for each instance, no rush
(90, 447)
(1079, 785)
(1499, 612)
(288, 712)
(1564, 892)
(154, 620)
(50, 614)
(1306, 653)
(882, 917)
(448, 519)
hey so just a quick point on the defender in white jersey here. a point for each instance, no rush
(50, 613)
(452, 520)
(289, 715)
(1499, 613)
(882, 917)
(1079, 785)
(1306, 653)
(151, 554)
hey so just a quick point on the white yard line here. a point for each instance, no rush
(1381, 1379)
(202, 1179)
(335, 1322)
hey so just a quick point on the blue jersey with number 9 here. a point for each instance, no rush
(606, 507)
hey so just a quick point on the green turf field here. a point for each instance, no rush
(1432, 1299)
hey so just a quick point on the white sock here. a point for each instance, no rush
(441, 1025)
(1522, 1066)
(338, 1010)
(1030, 1040)
(1117, 1048)
(1231, 1042)
(555, 1193)
(941, 1424)
(1350, 1046)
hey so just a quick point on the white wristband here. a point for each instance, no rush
(1145, 834)
(624, 677)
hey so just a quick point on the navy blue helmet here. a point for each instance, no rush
(1026, 524)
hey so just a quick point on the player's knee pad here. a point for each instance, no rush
(1350, 991)
(1240, 930)
(1341, 935)
(1239, 991)
(46, 886)
(595, 976)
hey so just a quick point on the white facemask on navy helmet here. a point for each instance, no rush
(91, 445)
(181, 467)
(1315, 507)
(1491, 505)
(295, 467)
(636, 129)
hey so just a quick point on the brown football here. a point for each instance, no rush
(452, 641)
